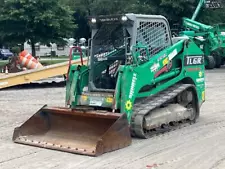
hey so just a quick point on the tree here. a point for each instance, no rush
(86, 8)
(173, 10)
(34, 21)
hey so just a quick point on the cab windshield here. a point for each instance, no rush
(108, 52)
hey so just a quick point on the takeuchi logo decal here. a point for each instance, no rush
(133, 84)
(193, 60)
(128, 105)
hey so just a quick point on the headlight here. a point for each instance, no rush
(93, 20)
(124, 18)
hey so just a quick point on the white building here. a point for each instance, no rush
(43, 50)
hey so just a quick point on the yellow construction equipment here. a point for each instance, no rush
(28, 76)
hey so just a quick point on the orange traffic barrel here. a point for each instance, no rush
(28, 61)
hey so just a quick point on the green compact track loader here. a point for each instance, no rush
(138, 82)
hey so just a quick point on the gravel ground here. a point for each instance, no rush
(200, 146)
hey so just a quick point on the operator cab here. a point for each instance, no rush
(110, 40)
(114, 38)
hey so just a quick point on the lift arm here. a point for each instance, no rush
(208, 4)
(196, 26)
(197, 10)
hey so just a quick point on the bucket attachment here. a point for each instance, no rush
(77, 131)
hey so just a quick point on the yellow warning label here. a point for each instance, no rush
(128, 105)
(109, 100)
(203, 95)
(84, 98)
(165, 61)
(200, 74)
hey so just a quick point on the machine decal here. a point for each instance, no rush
(155, 67)
(166, 68)
(201, 39)
(101, 57)
(109, 100)
(84, 98)
(223, 33)
(191, 25)
(173, 54)
(165, 61)
(109, 19)
(96, 101)
(193, 60)
(203, 95)
(193, 69)
(200, 74)
(128, 105)
(85, 89)
(133, 84)
(162, 57)
(200, 80)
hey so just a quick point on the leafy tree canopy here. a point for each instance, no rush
(173, 10)
(48, 21)
(44, 21)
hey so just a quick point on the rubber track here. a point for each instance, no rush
(144, 107)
